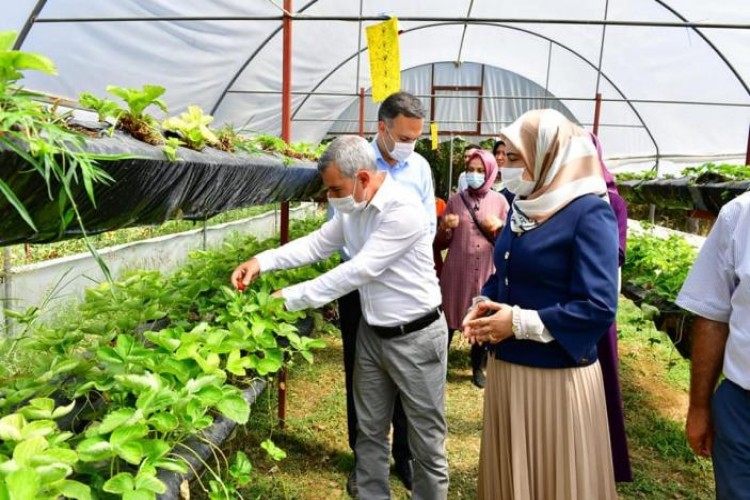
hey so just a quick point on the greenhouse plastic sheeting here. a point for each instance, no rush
(148, 189)
(667, 90)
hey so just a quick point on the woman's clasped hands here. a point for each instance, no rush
(488, 322)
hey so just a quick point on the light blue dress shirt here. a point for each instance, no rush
(415, 174)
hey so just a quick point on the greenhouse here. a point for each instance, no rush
(161, 338)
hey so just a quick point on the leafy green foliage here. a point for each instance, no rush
(170, 148)
(14, 62)
(707, 172)
(192, 127)
(710, 172)
(41, 138)
(274, 452)
(159, 387)
(644, 175)
(138, 100)
(658, 265)
(35, 458)
(105, 108)
(135, 120)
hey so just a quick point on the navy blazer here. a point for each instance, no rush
(566, 269)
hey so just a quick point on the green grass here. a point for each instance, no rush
(654, 383)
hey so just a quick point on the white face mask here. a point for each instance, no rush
(515, 184)
(401, 150)
(474, 179)
(347, 204)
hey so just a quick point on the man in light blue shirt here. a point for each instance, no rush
(400, 124)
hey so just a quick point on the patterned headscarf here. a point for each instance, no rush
(560, 157)
(490, 172)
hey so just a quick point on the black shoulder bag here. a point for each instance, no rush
(487, 236)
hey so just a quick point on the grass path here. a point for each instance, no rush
(654, 382)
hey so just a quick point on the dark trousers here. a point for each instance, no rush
(730, 410)
(478, 352)
(350, 312)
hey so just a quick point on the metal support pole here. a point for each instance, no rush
(597, 112)
(450, 168)
(747, 155)
(362, 112)
(286, 134)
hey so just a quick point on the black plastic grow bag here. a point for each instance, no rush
(672, 320)
(682, 193)
(148, 189)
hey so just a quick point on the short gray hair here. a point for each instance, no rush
(400, 103)
(351, 154)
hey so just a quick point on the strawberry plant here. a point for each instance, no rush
(658, 265)
(36, 460)
(135, 120)
(105, 108)
(156, 389)
(41, 138)
(192, 128)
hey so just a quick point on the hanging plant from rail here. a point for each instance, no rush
(41, 138)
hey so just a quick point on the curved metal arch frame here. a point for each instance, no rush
(425, 26)
(42, 3)
(250, 59)
(709, 43)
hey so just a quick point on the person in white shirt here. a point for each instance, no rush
(717, 291)
(401, 346)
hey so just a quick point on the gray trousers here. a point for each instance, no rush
(415, 366)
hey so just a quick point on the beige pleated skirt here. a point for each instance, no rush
(545, 435)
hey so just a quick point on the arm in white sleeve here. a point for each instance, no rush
(528, 325)
(396, 234)
(314, 247)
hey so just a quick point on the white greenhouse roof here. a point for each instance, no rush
(674, 74)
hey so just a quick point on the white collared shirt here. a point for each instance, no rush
(391, 264)
(718, 286)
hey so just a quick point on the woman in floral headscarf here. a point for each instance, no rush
(552, 297)
(468, 229)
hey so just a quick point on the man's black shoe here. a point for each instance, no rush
(477, 377)
(405, 472)
(351, 484)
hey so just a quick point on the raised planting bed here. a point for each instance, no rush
(654, 271)
(707, 192)
(159, 390)
(149, 189)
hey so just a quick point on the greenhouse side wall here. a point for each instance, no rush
(65, 279)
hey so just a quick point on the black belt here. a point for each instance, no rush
(389, 332)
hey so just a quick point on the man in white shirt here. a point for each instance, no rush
(400, 123)
(401, 346)
(717, 290)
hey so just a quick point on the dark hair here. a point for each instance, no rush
(400, 103)
(496, 146)
(472, 146)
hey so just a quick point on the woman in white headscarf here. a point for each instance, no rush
(552, 297)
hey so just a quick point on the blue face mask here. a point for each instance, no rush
(474, 179)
